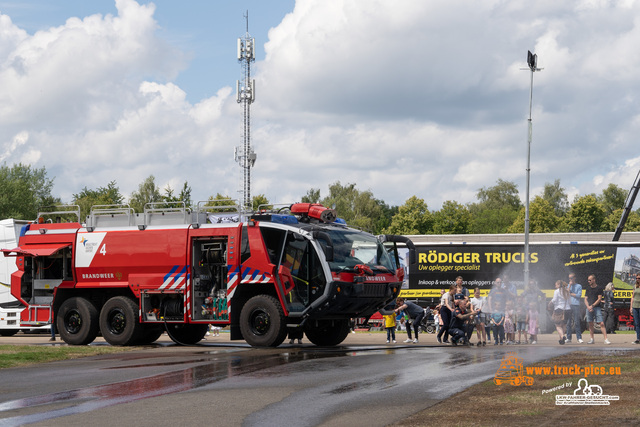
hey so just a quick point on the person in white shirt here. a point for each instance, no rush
(561, 303)
(479, 303)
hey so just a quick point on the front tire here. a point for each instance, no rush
(119, 322)
(262, 322)
(327, 332)
(77, 321)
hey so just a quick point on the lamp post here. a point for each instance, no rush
(532, 62)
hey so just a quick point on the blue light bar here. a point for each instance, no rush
(283, 219)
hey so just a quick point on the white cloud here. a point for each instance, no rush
(18, 140)
(402, 98)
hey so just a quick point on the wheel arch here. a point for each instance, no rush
(244, 293)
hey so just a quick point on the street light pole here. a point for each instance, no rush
(532, 61)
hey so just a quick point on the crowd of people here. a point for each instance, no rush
(514, 318)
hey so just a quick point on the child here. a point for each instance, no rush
(532, 319)
(390, 326)
(521, 320)
(436, 318)
(509, 325)
(498, 326)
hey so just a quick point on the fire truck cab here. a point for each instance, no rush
(131, 276)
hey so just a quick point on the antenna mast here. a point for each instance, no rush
(532, 62)
(246, 94)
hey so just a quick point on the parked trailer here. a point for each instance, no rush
(481, 258)
(10, 308)
(131, 276)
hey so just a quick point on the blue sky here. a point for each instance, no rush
(206, 30)
(401, 98)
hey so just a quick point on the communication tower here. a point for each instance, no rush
(246, 94)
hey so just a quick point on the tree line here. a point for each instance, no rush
(24, 191)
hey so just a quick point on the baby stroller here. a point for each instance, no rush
(428, 324)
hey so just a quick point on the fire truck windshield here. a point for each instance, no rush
(352, 247)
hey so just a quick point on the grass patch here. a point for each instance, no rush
(530, 413)
(12, 356)
(527, 406)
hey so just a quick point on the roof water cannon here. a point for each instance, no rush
(315, 211)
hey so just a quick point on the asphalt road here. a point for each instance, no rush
(364, 382)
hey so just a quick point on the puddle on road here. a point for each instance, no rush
(207, 367)
(210, 367)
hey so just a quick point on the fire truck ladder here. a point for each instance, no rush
(628, 205)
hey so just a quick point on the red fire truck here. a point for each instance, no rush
(131, 276)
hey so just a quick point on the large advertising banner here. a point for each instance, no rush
(479, 265)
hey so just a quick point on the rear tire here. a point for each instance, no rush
(327, 332)
(8, 332)
(119, 322)
(188, 334)
(262, 322)
(150, 334)
(77, 321)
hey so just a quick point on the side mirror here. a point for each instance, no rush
(401, 239)
(328, 248)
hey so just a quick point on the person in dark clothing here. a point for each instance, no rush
(446, 309)
(458, 328)
(593, 299)
(415, 312)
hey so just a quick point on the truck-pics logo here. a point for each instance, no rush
(511, 371)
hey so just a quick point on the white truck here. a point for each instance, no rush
(10, 308)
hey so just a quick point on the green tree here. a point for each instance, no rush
(312, 196)
(503, 194)
(23, 191)
(412, 218)
(542, 218)
(452, 218)
(183, 196)
(557, 197)
(585, 215)
(148, 192)
(257, 201)
(86, 198)
(497, 208)
(226, 203)
(358, 208)
(384, 221)
(612, 198)
(611, 222)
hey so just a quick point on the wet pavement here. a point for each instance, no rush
(228, 383)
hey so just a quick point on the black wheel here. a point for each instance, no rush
(262, 322)
(77, 321)
(327, 332)
(8, 332)
(431, 329)
(119, 322)
(188, 334)
(150, 334)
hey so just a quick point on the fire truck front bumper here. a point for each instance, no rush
(351, 300)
